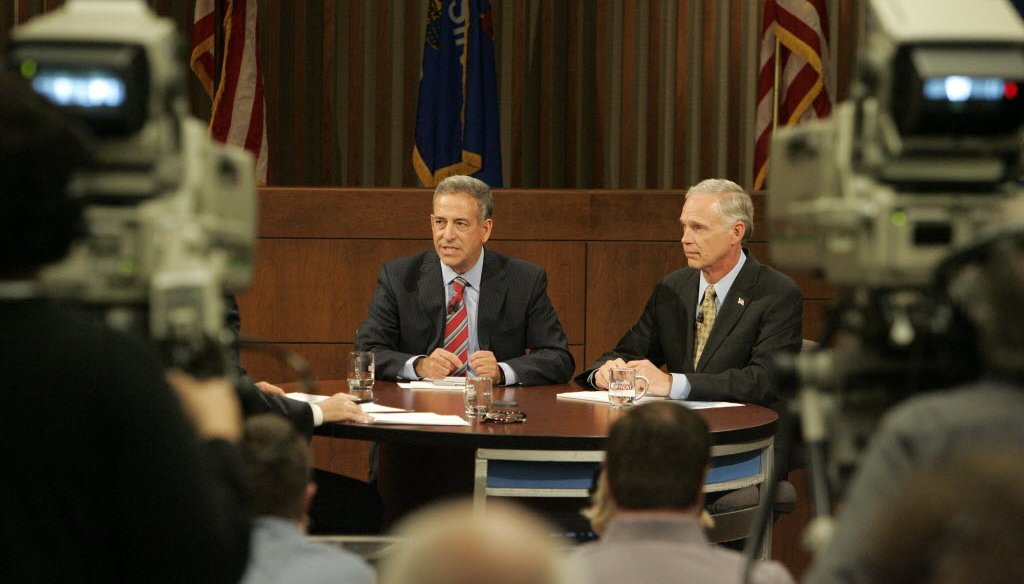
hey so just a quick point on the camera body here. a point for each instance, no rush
(170, 215)
(921, 159)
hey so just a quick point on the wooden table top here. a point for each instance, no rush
(552, 423)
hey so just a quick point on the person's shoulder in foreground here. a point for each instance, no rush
(654, 550)
(282, 554)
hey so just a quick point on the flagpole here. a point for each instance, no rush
(775, 85)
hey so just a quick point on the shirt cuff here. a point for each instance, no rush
(680, 387)
(510, 375)
(409, 369)
(318, 415)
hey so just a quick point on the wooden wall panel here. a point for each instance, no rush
(620, 277)
(325, 360)
(315, 290)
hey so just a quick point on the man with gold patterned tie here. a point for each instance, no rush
(718, 323)
(460, 309)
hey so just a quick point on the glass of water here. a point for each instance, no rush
(477, 396)
(360, 373)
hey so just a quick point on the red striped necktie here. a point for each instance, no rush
(456, 326)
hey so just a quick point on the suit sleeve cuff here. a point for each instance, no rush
(680, 387)
(510, 375)
(409, 369)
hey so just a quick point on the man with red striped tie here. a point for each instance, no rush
(460, 309)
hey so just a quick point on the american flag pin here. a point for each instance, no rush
(741, 302)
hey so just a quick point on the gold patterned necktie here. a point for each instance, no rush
(705, 321)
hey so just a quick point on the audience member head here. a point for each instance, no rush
(991, 293)
(40, 150)
(461, 221)
(278, 466)
(958, 524)
(657, 456)
(450, 543)
(734, 204)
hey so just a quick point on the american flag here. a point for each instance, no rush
(238, 115)
(794, 42)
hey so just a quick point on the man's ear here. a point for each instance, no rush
(739, 229)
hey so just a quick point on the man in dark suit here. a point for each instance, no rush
(717, 323)
(497, 307)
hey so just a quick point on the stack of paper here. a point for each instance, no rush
(389, 415)
(448, 384)
(602, 397)
(419, 419)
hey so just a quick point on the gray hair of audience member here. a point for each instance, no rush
(656, 457)
(448, 542)
(278, 466)
(992, 293)
(733, 202)
(956, 524)
(473, 187)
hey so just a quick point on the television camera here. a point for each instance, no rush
(170, 215)
(922, 160)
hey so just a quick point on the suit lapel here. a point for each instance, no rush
(732, 309)
(493, 287)
(430, 291)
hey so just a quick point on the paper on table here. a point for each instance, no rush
(370, 408)
(419, 419)
(446, 384)
(602, 397)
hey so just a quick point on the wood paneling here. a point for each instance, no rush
(621, 276)
(316, 290)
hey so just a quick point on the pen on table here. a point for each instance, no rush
(365, 400)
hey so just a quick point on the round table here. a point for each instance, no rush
(417, 464)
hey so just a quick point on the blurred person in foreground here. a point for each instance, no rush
(279, 472)
(956, 524)
(449, 543)
(656, 461)
(931, 429)
(106, 476)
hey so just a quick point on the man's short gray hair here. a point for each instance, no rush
(473, 187)
(733, 202)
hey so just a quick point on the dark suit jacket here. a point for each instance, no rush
(761, 317)
(406, 317)
(254, 401)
